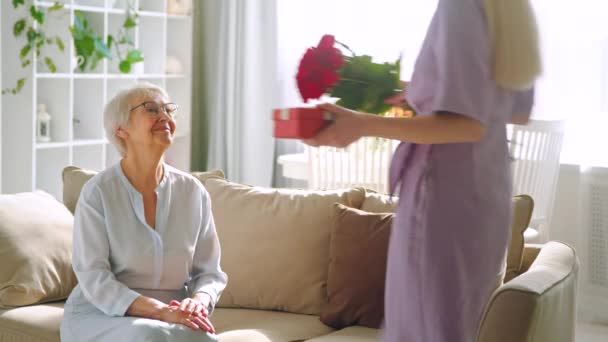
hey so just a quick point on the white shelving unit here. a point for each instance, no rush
(75, 99)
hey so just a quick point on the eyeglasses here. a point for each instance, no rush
(153, 108)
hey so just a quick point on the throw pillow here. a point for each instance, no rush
(275, 244)
(35, 249)
(357, 268)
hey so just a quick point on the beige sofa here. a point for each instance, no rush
(275, 249)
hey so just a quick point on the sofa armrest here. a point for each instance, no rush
(530, 254)
(538, 305)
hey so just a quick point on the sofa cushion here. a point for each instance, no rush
(275, 244)
(260, 325)
(35, 249)
(350, 334)
(357, 268)
(36, 323)
(75, 177)
(522, 206)
(379, 203)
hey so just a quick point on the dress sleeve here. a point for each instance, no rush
(523, 103)
(462, 56)
(207, 275)
(91, 258)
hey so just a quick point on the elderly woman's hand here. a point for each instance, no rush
(191, 306)
(173, 314)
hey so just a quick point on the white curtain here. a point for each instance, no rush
(240, 49)
(574, 85)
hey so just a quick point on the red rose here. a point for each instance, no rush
(318, 70)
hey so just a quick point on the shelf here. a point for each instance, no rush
(50, 145)
(179, 16)
(75, 100)
(151, 14)
(85, 142)
(53, 75)
(60, 144)
(85, 8)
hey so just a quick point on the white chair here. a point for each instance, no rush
(536, 149)
(365, 162)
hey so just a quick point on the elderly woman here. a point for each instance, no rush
(146, 253)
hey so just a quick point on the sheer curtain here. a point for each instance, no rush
(235, 87)
(574, 85)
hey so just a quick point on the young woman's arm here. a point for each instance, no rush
(441, 128)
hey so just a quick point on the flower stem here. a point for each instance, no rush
(346, 47)
(353, 80)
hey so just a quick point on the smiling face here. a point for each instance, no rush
(150, 126)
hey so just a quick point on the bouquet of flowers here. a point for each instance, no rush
(357, 82)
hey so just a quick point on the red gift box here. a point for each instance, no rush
(299, 123)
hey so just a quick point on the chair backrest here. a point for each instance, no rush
(365, 162)
(536, 149)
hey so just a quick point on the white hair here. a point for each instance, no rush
(514, 31)
(116, 112)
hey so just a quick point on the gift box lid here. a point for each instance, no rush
(301, 114)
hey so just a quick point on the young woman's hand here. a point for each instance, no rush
(344, 130)
(196, 321)
(398, 100)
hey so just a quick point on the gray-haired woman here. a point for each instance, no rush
(145, 252)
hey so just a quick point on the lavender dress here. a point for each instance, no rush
(452, 226)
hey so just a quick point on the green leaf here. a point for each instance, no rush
(19, 27)
(56, 6)
(31, 35)
(134, 56)
(125, 67)
(129, 23)
(102, 48)
(95, 58)
(79, 20)
(20, 84)
(25, 63)
(16, 3)
(59, 43)
(50, 64)
(24, 51)
(36, 14)
(110, 41)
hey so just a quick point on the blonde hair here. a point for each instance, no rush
(514, 31)
(116, 112)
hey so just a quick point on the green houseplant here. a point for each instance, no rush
(36, 40)
(93, 48)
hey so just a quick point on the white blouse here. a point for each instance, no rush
(117, 256)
